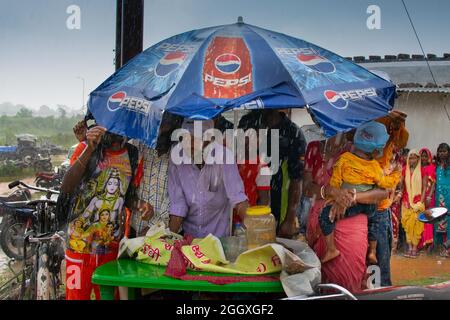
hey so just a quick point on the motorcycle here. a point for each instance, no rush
(42, 163)
(440, 291)
(50, 180)
(13, 225)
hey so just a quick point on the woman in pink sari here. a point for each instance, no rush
(429, 180)
(349, 269)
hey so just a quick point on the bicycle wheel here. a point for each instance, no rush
(28, 286)
(11, 238)
(43, 276)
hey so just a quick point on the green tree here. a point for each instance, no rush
(24, 113)
(62, 112)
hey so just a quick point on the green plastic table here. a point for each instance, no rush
(133, 274)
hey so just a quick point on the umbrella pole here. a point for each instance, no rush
(235, 125)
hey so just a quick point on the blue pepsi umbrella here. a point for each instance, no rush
(202, 73)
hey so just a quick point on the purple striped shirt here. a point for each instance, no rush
(205, 198)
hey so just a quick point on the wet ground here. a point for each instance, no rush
(421, 271)
(4, 190)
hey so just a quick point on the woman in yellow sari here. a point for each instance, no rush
(412, 203)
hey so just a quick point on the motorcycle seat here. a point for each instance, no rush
(48, 175)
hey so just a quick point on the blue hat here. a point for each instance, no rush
(371, 136)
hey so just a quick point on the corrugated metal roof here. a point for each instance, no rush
(415, 72)
(424, 90)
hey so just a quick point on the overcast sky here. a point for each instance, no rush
(40, 58)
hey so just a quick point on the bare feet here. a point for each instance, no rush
(414, 254)
(330, 255)
(372, 258)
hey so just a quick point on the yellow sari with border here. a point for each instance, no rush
(413, 186)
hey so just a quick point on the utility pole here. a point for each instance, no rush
(129, 30)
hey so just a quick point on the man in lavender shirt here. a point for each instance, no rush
(203, 195)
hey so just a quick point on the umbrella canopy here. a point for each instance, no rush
(202, 73)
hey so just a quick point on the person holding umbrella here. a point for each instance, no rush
(284, 201)
(93, 197)
(395, 123)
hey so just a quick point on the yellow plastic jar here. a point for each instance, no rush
(260, 226)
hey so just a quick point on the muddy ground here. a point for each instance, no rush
(422, 271)
(4, 190)
(426, 269)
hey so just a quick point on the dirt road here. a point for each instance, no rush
(423, 270)
(4, 190)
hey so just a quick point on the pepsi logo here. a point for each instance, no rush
(340, 99)
(169, 63)
(115, 100)
(316, 63)
(335, 99)
(120, 100)
(228, 63)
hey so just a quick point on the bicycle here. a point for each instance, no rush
(41, 274)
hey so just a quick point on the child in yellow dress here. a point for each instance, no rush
(360, 171)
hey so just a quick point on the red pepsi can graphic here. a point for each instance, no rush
(227, 69)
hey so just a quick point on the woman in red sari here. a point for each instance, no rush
(349, 269)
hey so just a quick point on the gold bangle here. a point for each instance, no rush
(322, 192)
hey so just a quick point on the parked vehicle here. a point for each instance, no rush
(440, 291)
(41, 272)
(27, 150)
(13, 225)
(51, 180)
(42, 164)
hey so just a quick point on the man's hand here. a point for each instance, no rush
(241, 209)
(94, 136)
(80, 130)
(398, 115)
(175, 223)
(145, 209)
(288, 228)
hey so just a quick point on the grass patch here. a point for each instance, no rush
(14, 173)
(426, 281)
